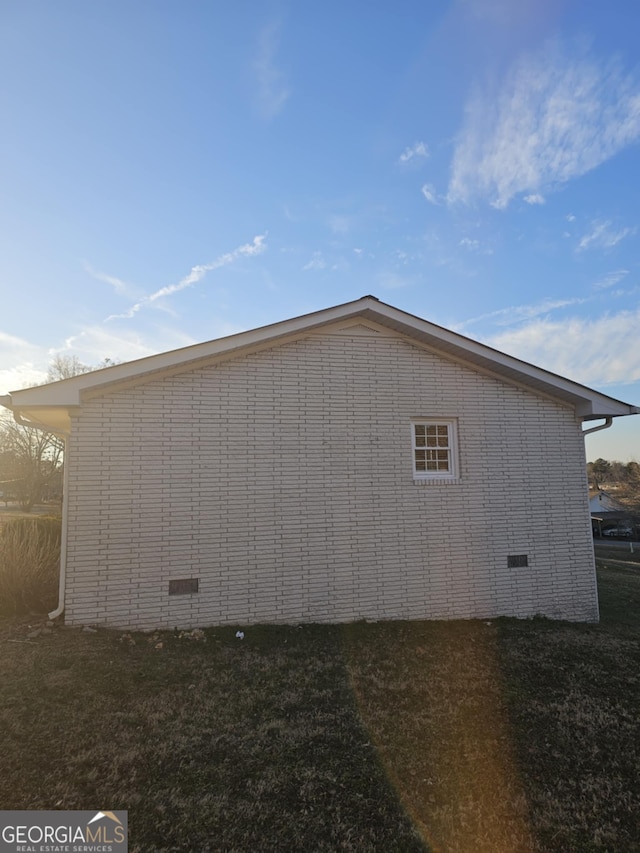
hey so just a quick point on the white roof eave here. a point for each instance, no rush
(67, 394)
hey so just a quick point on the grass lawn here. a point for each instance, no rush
(463, 736)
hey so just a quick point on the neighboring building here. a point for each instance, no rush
(601, 502)
(354, 463)
(609, 517)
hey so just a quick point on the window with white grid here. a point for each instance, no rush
(434, 450)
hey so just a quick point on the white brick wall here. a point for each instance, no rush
(283, 481)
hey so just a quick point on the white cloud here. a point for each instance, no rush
(393, 281)
(430, 194)
(23, 363)
(610, 279)
(11, 343)
(21, 376)
(256, 247)
(472, 245)
(272, 90)
(554, 118)
(514, 314)
(602, 351)
(535, 198)
(414, 153)
(27, 364)
(95, 343)
(317, 262)
(570, 217)
(603, 236)
(340, 224)
(118, 285)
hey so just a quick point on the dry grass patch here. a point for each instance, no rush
(29, 564)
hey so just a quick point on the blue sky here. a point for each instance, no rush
(176, 171)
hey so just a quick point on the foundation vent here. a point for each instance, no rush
(184, 586)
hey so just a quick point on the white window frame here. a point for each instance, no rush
(451, 448)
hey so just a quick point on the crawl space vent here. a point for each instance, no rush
(517, 561)
(184, 586)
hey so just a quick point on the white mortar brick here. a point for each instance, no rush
(283, 481)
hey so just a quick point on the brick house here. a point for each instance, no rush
(354, 463)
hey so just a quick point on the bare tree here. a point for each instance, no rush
(31, 459)
(31, 462)
(630, 491)
(66, 366)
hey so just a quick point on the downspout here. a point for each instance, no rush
(608, 422)
(65, 515)
(63, 535)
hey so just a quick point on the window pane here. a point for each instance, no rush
(433, 449)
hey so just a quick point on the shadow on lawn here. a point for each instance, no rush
(504, 736)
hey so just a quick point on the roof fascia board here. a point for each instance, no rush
(587, 402)
(68, 391)
(593, 407)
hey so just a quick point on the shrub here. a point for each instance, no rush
(29, 564)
